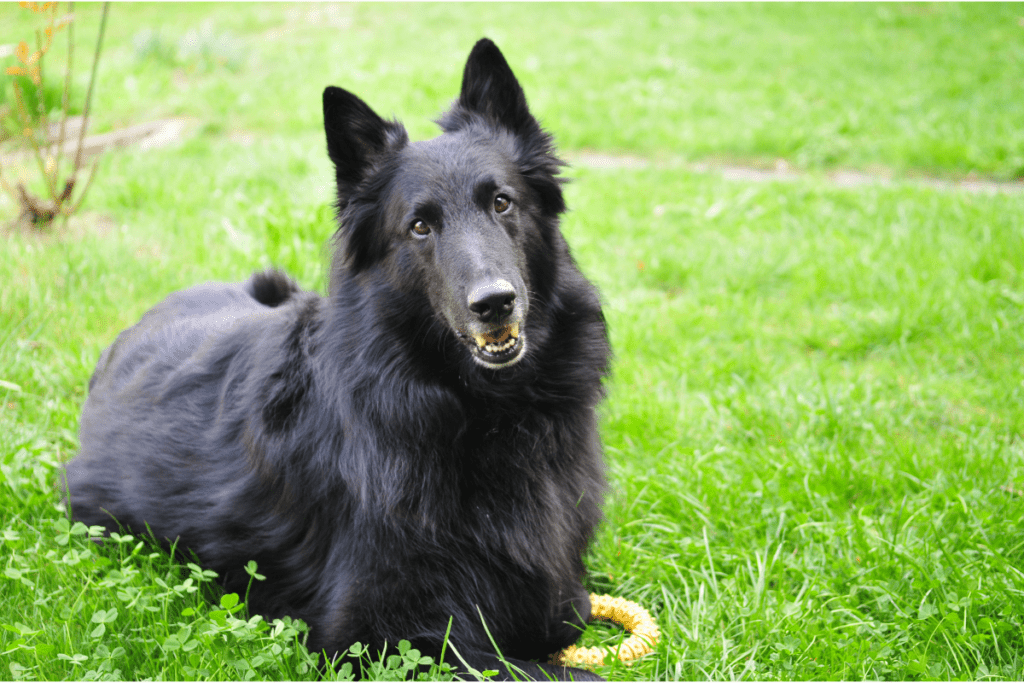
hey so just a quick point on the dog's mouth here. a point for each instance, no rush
(498, 348)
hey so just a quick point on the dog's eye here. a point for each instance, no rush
(501, 203)
(420, 228)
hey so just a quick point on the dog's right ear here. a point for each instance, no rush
(356, 137)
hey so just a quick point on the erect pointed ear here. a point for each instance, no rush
(490, 88)
(356, 137)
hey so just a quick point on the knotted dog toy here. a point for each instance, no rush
(630, 616)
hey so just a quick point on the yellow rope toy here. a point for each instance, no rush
(630, 616)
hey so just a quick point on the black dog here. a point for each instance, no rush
(416, 448)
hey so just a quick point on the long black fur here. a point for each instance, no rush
(385, 476)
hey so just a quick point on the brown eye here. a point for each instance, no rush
(501, 203)
(420, 228)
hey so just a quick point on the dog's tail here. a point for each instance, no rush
(271, 287)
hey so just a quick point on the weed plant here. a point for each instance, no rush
(43, 137)
(813, 428)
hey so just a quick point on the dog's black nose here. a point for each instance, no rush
(492, 301)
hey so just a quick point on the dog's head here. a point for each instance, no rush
(467, 220)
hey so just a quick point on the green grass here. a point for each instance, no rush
(914, 87)
(813, 427)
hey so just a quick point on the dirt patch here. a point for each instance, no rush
(782, 172)
(79, 226)
(592, 159)
(149, 135)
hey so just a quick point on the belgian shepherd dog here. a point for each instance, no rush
(414, 452)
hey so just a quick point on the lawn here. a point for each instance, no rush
(814, 423)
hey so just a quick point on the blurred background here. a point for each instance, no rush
(907, 88)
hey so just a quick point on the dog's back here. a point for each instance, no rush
(153, 392)
(172, 330)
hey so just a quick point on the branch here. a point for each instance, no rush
(67, 89)
(88, 95)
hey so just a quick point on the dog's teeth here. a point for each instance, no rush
(497, 348)
(496, 342)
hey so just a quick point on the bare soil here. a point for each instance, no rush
(782, 172)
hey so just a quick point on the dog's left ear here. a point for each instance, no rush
(490, 88)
